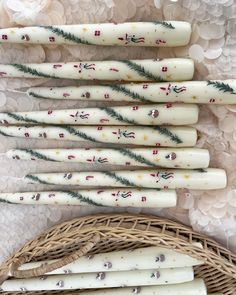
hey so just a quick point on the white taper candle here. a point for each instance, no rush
(163, 276)
(158, 114)
(148, 258)
(210, 178)
(173, 69)
(156, 33)
(196, 287)
(189, 158)
(120, 197)
(135, 135)
(212, 92)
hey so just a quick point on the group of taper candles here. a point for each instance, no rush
(153, 270)
(159, 125)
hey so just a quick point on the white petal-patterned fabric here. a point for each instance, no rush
(212, 47)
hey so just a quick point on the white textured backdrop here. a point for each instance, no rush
(213, 47)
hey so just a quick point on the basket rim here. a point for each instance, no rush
(156, 228)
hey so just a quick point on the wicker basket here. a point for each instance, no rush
(104, 233)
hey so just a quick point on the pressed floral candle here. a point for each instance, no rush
(207, 92)
(189, 158)
(156, 33)
(165, 136)
(156, 114)
(172, 69)
(118, 197)
(209, 178)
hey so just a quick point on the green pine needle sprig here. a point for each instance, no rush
(129, 93)
(165, 24)
(36, 179)
(6, 201)
(28, 70)
(66, 36)
(141, 71)
(78, 133)
(224, 87)
(112, 113)
(82, 198)
(20, 118)
(37, 155)
(35, 95)
(137, 158)
(168, 133)
(5, 134)
(120, 179)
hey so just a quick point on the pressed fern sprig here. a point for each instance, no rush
(37, 155)
(112, 113)
(36, 179)
(6, 201)
(165, 24)
(119, 179)
(168, 133)
(221, 86)
(134, 156)
(5, 134)
(67, 36)
(201, 170)
(141, 71)
(28, 70)
(82, 198)
(20, 118)
(35, 95)
(78, 133)
(129, 93)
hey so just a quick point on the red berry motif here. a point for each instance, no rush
(155, 152)
(4, 37)
(164, 69)
(135, 108)
(61, 135)
(51, 39)
(169, 105)
(71, 157)
(97, 33)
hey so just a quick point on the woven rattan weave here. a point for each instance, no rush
(112, 232)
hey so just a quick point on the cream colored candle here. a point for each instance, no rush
(151, 258)
(173, 69)
(156, 33)
(136, 135)
(208, 92)
(189, 158)
(120, 197)
(196, 287)
(157, 114)
(169, 178)
(101, 280)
